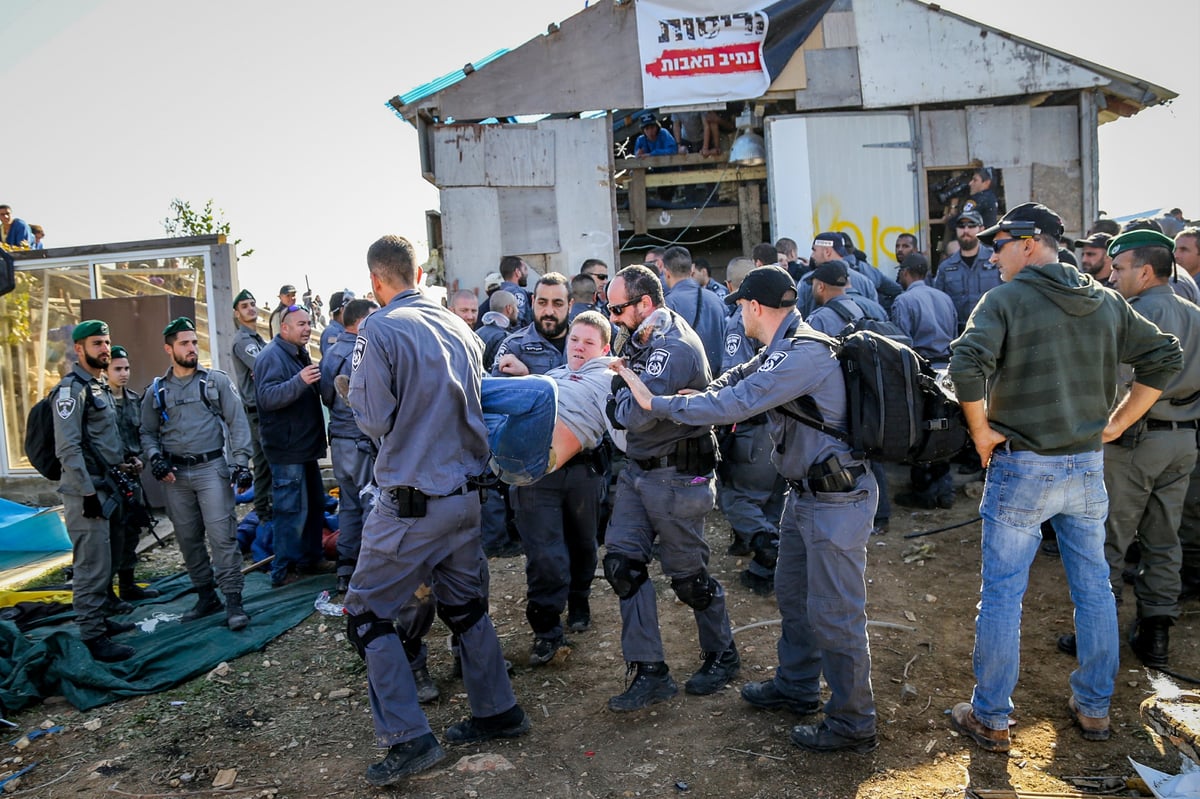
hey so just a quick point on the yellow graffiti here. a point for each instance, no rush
(878, 245)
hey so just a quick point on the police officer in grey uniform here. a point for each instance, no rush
(820, 579)
(751, 492)
(836, 309)
(557, 515)
(831, 246)
(927, 316)
(969, 273)
(410, 356)
(704, 311)
(190, 417)
(664, 492)
(350, 450)
(1146, 471)
(123, 526)
(88, 443)
(247, 344)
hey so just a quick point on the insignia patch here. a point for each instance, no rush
(533, 346)
(64, 406)
(253, 350)
(732, 342)
(969, 205)
(657, 362)
(360, 351)
(770, 364)
(234, 389)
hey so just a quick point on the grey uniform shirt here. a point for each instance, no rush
(739, 347)
(786, 369)
(704, 312)
(966, 284)
(1180, 400)
(247, 344)
(670, 361)
(1184, 285)
(860, 286)
(129, 421)
(191, 427)
(533, 349)
(927, 316)
(77, 397)
(337, 362)
(414, 358)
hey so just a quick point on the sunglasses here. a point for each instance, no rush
(962, 225)
(293, 309)
(616, 310)
(597, 275)
(1000, 244)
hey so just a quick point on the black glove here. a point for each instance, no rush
(92, 508)
(160, 467)
(243, 478)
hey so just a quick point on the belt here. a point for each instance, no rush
(462, 489)
(195, 460)
(805, 485)
(661, 462)
(1159, 424)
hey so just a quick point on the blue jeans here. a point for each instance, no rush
(298, 497)
(1022, 490)
(520, 413)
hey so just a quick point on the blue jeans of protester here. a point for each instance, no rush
(1023, 489)
(520, 413)
(298, 497)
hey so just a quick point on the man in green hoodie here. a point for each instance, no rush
(1041, 351)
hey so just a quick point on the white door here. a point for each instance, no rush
(843, 172)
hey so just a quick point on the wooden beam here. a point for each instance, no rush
(119, 247)
(718, 175)
(713, 216)
(637, 200)
(750, 215)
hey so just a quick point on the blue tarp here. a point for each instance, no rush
(28, 535)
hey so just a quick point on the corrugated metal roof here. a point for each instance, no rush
(438, 84)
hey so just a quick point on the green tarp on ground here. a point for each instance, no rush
(51, 660)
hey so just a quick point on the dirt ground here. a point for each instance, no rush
(273, 720)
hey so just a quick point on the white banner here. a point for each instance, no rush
(701, 52)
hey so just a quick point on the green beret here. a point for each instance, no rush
(244, 294)
(178, 326)
(117, 351)
(92, 327)
(1139, 238)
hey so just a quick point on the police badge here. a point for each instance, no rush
(360, 350)
(657, 362)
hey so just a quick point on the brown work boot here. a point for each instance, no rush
(1093, 729)
(963, 719)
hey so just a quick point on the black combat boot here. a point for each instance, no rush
(106, 650)
(114, 605)
(207, 603)
(130, 590)
(236, 617)
(1150, 640)
(652, 683)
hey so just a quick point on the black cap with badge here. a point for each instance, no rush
(1026, 221)
(771, 286)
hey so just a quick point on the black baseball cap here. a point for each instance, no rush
(833, 273)
(771, 286)
(1098, 240)
(1025, 221)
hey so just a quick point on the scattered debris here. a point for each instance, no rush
(485, 762)
(340, 693)
(225, 778)
(91, 725)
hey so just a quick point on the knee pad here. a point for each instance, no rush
(696, 591)
(460, 618)
(542, 618)
(375, 628)
(625, 575)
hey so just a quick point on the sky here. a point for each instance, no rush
(276, 110)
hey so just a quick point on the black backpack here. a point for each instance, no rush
(39, 435)
(896, 408)
(864, 322)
